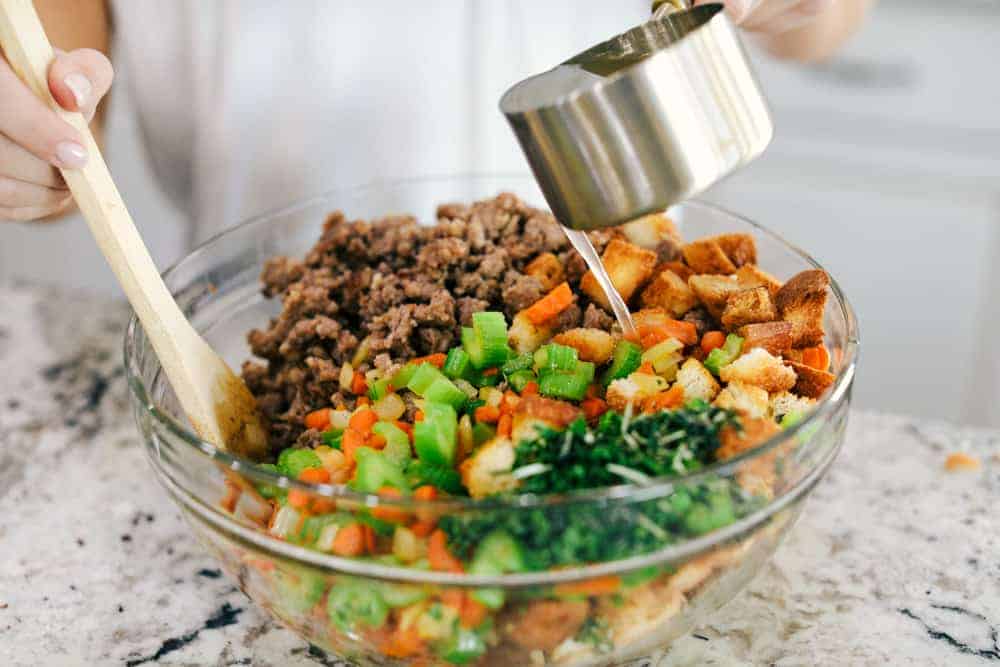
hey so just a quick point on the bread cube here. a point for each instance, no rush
(670, 292)
(697, 381)
(761, 369)
(802, 301)
(628, 266)
(590, 344)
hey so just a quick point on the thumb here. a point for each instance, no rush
(79, 79)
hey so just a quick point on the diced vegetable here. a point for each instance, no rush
(569, 385)
(352, 603)
(376, 470)
(486, 341)
(519, 380)
(550, 305)
(397, 442)
(423, 378)
(298, 589)
(271, 491)
(401, 595)
(380, 388)
(725, 355)
(555, 357)
(442, 477)
(664, 356)
(390, 407)
(625, 360)
(458, 364)
(403, 375)
(463, 647)
(333, 437)
(519, 362)
(444, 390)
(291, 462)
(502, 550)
(434, 438)
(482, 433)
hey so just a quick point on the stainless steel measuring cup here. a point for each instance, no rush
(642, 121)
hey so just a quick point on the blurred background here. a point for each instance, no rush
(884, 166)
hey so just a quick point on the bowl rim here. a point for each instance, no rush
(657, 487)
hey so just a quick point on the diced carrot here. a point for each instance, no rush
(505, 425)
(530, 389)
(666, 400)
(817, 357)
(375, 441)
(593, 408)
(232, 497)
(437, 359)
(318, 419)
(393, 514)
(438, 555)
(418, 416)
(685, 332)
(453, 597)
(350, 540)
(423, 527)
(407, 428)
(425, 492)
(490, 372)
(298, 498)
(712, 340)
(363, 420)
(323, 506)
(350, 442)
(403, 643)
(593, 391)
(358, 384)
(599, 586)
(509, 402)
(550, 305)
(315, 475)
(487, 414)
(369, 534)
(650, 339)
(646, 367)
(363, 400)
(632, 337)
(472, 613)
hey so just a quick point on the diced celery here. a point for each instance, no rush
(423, 378)
(725, 355)
(291, 462)
(627, 357)
(402, 377)
(555, 357)
(463, 647)
(486, 341)
(519, 379)
(434, 438)
(397, 442)
(458, 363)
(351, 603)
(333, 437)
(520, 362)
(379, 388)
(375, 470)
(443, 390)
(482, 433)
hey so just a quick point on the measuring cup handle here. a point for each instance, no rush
(662, 8)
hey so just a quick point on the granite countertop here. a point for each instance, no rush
(895, 561)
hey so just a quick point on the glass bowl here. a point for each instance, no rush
(660, 573)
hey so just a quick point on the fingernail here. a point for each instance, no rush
(70, 155)
(80, 86)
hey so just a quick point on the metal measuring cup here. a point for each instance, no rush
(642, 121)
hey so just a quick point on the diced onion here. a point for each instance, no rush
(390, 407)
(466, 442)
(284, 522)
(664, 355)
(406, 546)
(326, 537)
(361, 354)
(372, 375)
(491, 395)
(466, 387)
(339, 419)
(346, 375)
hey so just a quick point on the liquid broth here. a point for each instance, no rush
(581, 242)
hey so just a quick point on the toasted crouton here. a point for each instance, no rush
(786, 402)
(680, 268)
(801, 301)
(775, 337)
(670, 292)
(755, 432)
(741, 249)
(747, 399)
(557, 414)
(590, 344)
(761, 369)
(628, 266)
(547, 269)
(751, 275)
(634, 389)
(524, 336)
(811, 382)
(488, 470)
(707, 256)
(649, 230)
(713, 291)
(698, 381)
(748, 307)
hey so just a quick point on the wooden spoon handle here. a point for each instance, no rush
(180, 349)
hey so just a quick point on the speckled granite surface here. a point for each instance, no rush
(895, 561)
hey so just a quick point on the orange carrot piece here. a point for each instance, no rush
(509, 402)
(550, 305)
(358, 384)
(318, 419)
(363, 400)
(369, 534)
(453, 597)
(363, 420)
(350, 442)
(403, 643)
(392, 514)
(315, 475)
(685, 332)
(490, 372)
(473, 613)
(487, 414)
(418, 416)
(437, 359)
(666, 400)
(646, 367)
(375, 441)
(530, 389)
(505, 425)
(425, 492)
(323, 506)
(298, 498)
(712, 340)
(350, 540)
(593, 408)
(438, 555)
(599, 586)
(423, 527)
(817, 357)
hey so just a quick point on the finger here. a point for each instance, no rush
(16, 162)
(778, 16)
(29, 213)
(18, 194)
(29, 121)
(79, 79)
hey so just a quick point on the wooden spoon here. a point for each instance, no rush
(216, 401)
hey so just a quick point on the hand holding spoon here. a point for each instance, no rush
(216, 401)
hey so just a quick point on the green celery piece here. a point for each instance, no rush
(627, 357)
(297, 590)
(502, 550)
(486, 341)
(401, 595)
(375, 470)
(403, 375)
(520, 379)
(562, 384)
(480, 380)
(458, 364)
(519, 362)
(482, 433)
(791, 419)
(352, 603)
(434, 438)
(423, 378)
(704, 517)
(463, 647)
(443, 390)
(725, 355)
(291, 462)
(314, 525)
(270, 491)
(379, 388)
(397, 442)
(444, 478)
(333, 437)
(586, 370)
(556, 357)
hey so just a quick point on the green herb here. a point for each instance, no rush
(623, 449)
(595, 633)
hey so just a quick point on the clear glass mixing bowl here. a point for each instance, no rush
(601, 613)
